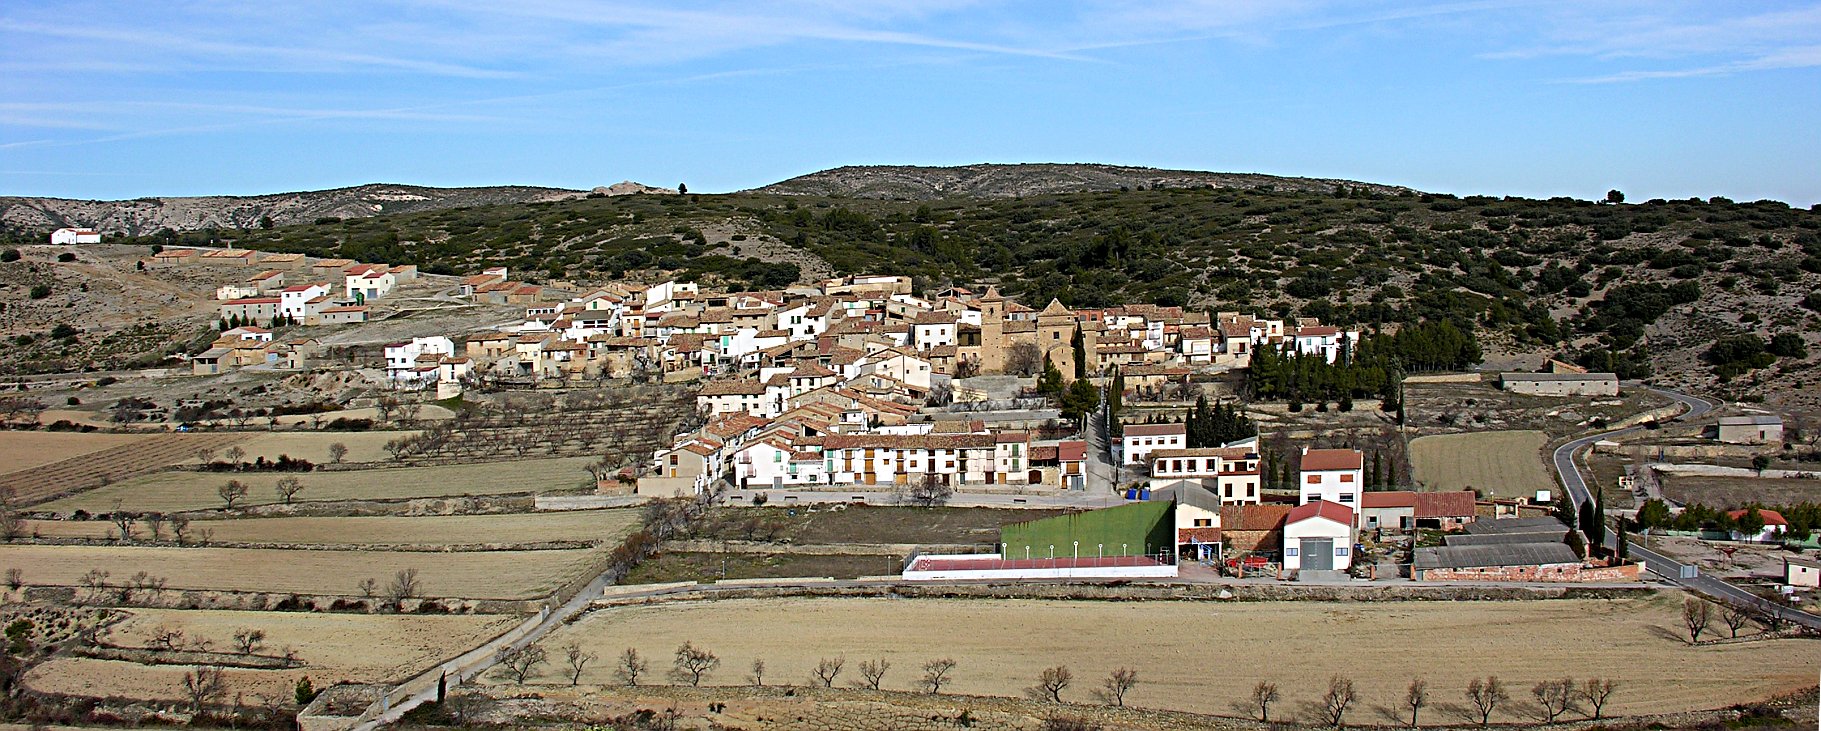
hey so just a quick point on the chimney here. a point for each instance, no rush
(1305, 450)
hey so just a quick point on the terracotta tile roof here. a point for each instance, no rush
(732, 388)
(908, 441)
(1398, 499)
(1072, 451)
(1320, 460)
(1253, 517)
(1320, 509)
(936, 318)
(1452, 504)
(1771, 517)
(1155, 430)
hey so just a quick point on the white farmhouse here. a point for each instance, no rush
(1333, 475)
(67, 236)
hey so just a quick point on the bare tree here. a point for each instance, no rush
(234, 454)
(1735, 619)
(931, 491)
(828, 669)
(1416, 697)
(338, 452)
(404, 585)
(1696, 614)
(124, 520)
(1555, 697)
(630, 667)
(1117, 684)
(368, 587)
(180, 527)
(1486, 695)
(95, 581)
(757, 677)
(287, 489)
(165, 637)
(1263, 695)
(692, 663)
(935, 674)
(247, 640)
(1338, 699)
(231, 493)
(578, 659)
(1050, 684)
(1023, 359)
(15, 578)
(205, 455)
(518, 663)
(204, 685)
(12, 524)
(154, 522)
(872, 673)
(1596, 692)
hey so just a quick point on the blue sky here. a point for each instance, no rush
(1658, 99)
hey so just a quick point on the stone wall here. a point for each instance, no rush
(1553, 573)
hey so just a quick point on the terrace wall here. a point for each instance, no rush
(1554, 573)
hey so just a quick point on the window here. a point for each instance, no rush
(1289, 552)
(1346, 478)
(1346, 497)
(1204, 522)
(1314, 479)
(1340, 551)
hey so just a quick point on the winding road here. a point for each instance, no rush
(1658, 563)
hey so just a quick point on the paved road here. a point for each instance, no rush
(1658, 563)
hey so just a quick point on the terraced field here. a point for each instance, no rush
(180, 491)
(449, 530)
(510, 575)
(110, 465)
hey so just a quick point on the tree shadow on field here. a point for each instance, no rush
(1672, 634)
(1390, 714)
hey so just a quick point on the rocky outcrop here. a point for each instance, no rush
(142, 216)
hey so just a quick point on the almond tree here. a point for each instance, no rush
(1050, 684)
(1112, 690)
(1696, 614)
(1338, 699)
(1263, 695)
(204, 685)
(577, 658)
(872, 673)
(231, 493)
(1416, 697)
(828, 669)
(935, 674)
(287, 489)
(1486, 695)
(692, 663)
(1596, 692)
(631, 667)
(1555, 697)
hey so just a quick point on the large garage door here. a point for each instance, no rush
(1318, 554)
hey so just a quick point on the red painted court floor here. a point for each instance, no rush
(936, 563)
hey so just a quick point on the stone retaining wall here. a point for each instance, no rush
(1553, 573)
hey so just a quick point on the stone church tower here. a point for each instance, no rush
(993, 345)
(1056, 337)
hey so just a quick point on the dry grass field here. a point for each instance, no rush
(1000, 646)
(1502, 463)
(1733, 492)
(359, 648)
(468, 575)
(368, 446)
(26, 449)
(444, 530)
(179, 491)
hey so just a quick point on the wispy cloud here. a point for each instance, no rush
(1698, 39)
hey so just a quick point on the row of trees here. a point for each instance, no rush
(1484, 696)
(1804, 518)
(1373, 368)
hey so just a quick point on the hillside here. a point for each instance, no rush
(1643, 288)
(907, 182)
(142, 216)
